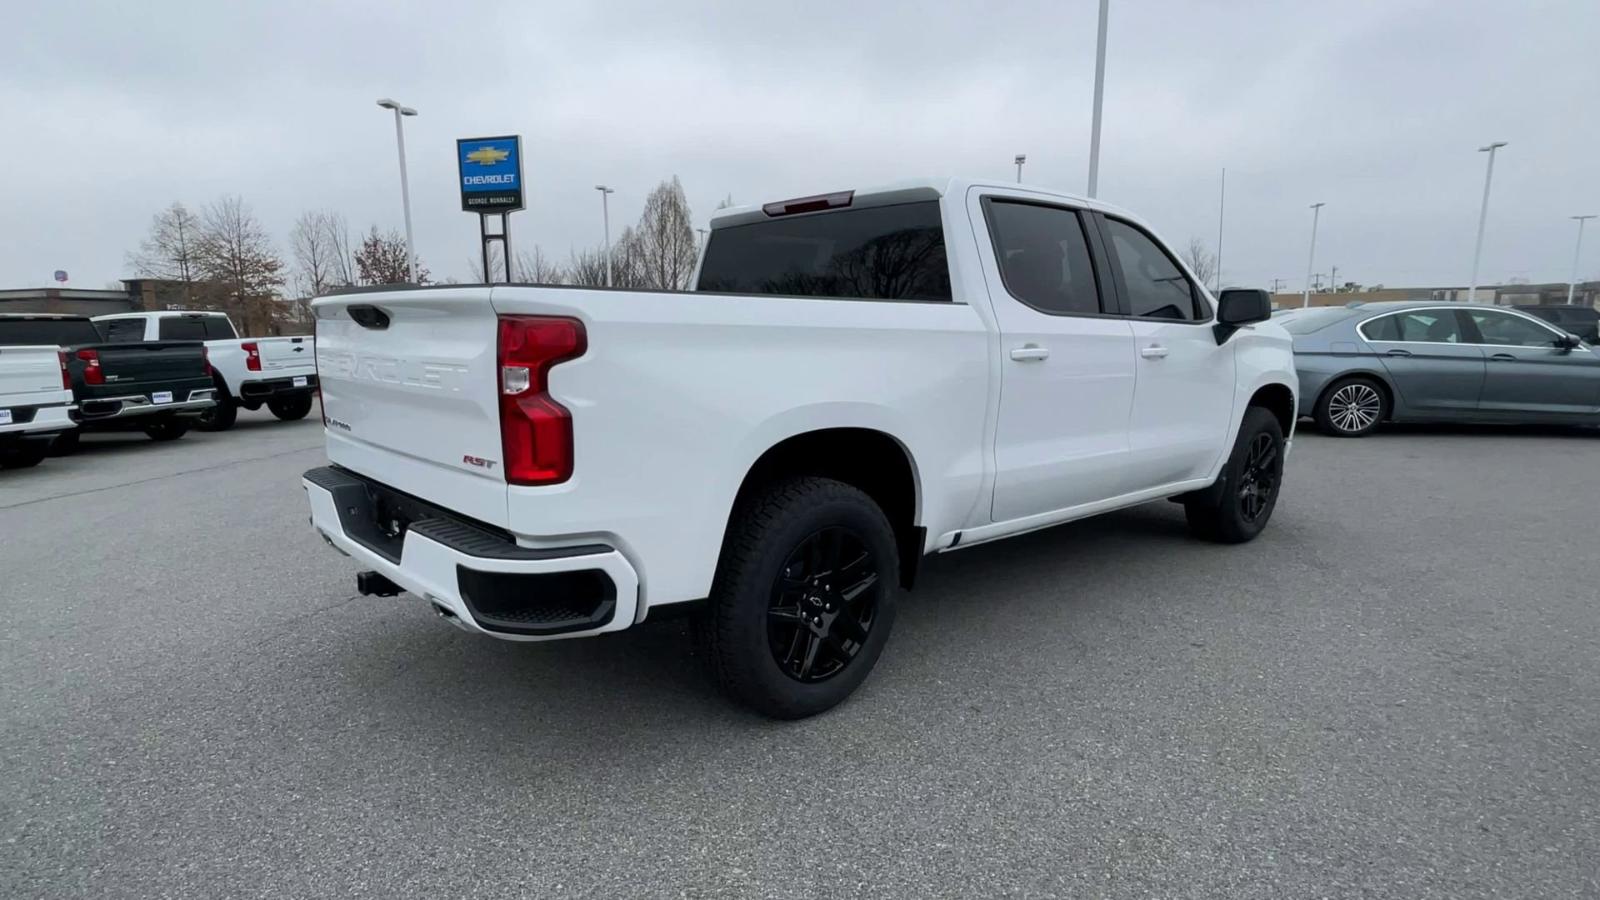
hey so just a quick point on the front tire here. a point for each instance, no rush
(1237, 507)
(803, 599)
(169, 430)
(1351, 407)
(291, 408)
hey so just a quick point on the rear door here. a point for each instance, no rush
(160, 363)
(1432, 365)
(1183, 400)
(1066, 360)
(410, 388)
(1526, 372)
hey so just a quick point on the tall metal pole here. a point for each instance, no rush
(1222, 201)
(405, 185)
(1572, 283)
(1316, 212)
(605, 214)
(1099, 94)
(1483, 217)
(1021, 158)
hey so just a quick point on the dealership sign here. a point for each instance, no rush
(490, 174)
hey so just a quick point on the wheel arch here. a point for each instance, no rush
(1390, 396)
(873, 461)
(1278, 399)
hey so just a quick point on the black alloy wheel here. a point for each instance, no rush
(1258, 480)
(822, 605)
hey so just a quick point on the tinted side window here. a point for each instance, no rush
(219, 328)
(1156, 287)
(60, 332)
(1386, 328)
(1508, 330)
(875, 253)
(1424, 326)
(183, 329)
(1044, 257)
(123, 331)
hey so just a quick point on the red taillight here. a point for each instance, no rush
(92, 373)
(66, 377)
(252, 355)
(205, 360)
(535, 430)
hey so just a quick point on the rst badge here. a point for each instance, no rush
(480, 462)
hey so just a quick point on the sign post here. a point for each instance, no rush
(490, 172)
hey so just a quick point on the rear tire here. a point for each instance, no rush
(169, 430)
(24, 455)
(1351, 407)
(220, 417)
(1237, 507)
(291, 408)
(803, 599)
(66, 443)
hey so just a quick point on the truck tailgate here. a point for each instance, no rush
(153, 362)
(283, 353)
(410, 386)
(29, 375)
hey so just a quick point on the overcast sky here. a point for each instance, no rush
(113, 110)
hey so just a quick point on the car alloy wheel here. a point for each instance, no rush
(1354, 407)
(1258, 481)
(822, 605)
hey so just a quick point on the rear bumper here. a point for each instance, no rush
(482, 581)
(43, 422)
(268, 388)
(106, 409)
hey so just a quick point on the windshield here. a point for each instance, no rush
(877, 253)
(1307, 321)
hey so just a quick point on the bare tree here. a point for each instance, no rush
(170, 251)
(344, 258)
(1202, 262)
(497, 259)
(382, 259)
(312, 242)
(665, 236)
(536, 268)
(235, 255)
(587, 268)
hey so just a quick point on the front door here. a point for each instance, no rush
(1527, 373)
(1067, 362)
(1184, 394)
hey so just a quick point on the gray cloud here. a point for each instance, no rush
(112, 110)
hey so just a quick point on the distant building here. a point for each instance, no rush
(68, 300)
(1586, 293)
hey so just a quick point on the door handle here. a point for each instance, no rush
(1398, 353)
(1503, 357)
(1029, 352)
(1154, 351)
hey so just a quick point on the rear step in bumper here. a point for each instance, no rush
(480, 581)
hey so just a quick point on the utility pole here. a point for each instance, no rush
(405, 186)
(1277, 285)
(605, 218)
(1333, 280)
(1483, 217)
(1099, 94)
(1316, 211)
(1021, 158)
(1572, 284)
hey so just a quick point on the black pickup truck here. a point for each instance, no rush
(157, 387)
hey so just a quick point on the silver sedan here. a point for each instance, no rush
(1368, 363)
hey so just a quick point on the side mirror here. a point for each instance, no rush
(1238, 307)
(1567, 342)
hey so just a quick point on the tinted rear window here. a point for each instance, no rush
(878, 253)
(60, 332)
(194, 328)
(1311, 320)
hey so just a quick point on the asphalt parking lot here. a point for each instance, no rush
(1395, 692)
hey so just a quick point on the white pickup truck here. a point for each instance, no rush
(858, 379)
(280, 372)
(36, 401)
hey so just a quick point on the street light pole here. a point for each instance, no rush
(1572, 284)
(1316, 212)
(405, 186)
(1222, 200)
(1099, 94)
(1483, 217)
(605, 214)
(1021, 158)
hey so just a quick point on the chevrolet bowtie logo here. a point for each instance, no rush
(487, 156)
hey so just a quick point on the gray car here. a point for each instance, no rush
(1368, 363)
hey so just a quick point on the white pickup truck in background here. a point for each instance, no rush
(36, 400)
(279, 372)
(858, 379)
